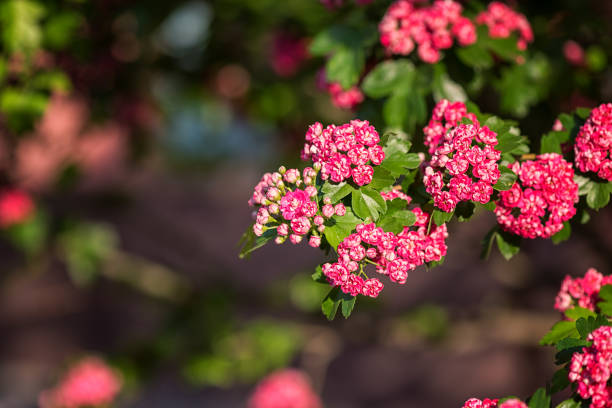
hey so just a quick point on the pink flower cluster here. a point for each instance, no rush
(593, 146)
(344, 152)
(463, 167)
(591, 369)
(16, 206)
(573, 53)
(284, 389)
(89, 383)
(445, 115)
(286, 201)
(345, 99)
(432, 28)
(502, 21)
(393, 255)
(581, 291)
(542, 198)
(488, 403)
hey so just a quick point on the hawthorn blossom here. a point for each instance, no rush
(346, 152)
(581, 292)
(476, 403)
(590, 369)
(430, 29)
(542, 198)
(502, 22)
(463, 167)
(593, 146)
(16, 206)
(284, 389)
(89, 383)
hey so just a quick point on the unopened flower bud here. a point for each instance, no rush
(283, 229)
(295, 239)
(340, 209)
(311, 191)
(328, 210)
(315, 241)
(258, 229)
(318, 220)
(282, 169)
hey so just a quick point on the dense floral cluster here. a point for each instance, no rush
(590, 369)
(392, 254)
(286, 201)
(463, 167)
(396, 192)
(89, 383)
(284, 389)
(582, 292)
(542, 198)
(16, 206)
(432, 28)
(445, 115)
(593, 145)
(488, 403)
(502, 21)
(344, 152)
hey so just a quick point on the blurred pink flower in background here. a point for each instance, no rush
(573, 52)
(61, 139)
(88, 383)
(288, 53)
(284, 389)
(15, 207)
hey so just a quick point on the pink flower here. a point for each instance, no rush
(542, 198)
(573, 52)
(345, 99)
(287, 54)
(340, 209)
(300, 225)
(363, 174)
(593, 146)
(89, 383)
(513, 403)
(476, 403)
(581, 291)
(15, 207)
(314, 241)
(502, 21)
(284, 389)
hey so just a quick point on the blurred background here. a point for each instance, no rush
(131, 136)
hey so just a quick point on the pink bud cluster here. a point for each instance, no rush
(344, 152)
(89, 383)
(502, 21)
(582, 292)
(16, 206)
(392, 254)
(463, 167)
(286, 201)
(593, 145)
(445, 115)
(284, 389)
(432, 28)
(488, 403)
(542, 198)
(591, 369)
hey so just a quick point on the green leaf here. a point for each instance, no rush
(584, 184)
(336, 192)
(337, 228)
(398, 163)
(331, 302)
(465, 210)
(578, 312)
(368, 203)
(506, 180)
(21, 31)
(348, 305)
(605, 292)
(475, 56)
(599, 195)
(569, 403)
(560, 381)
(60, 29)
(345, 66)
(441, 217)
(395, 142)
(487, 243)
(445, 88)
(540, 399)
(587, 325)
(508, 244)
(381, 179)
(250, 242)
(564, 234)
(508, 142)
(386, 76)
(30, 236)
(395, 110)
(566, 349)
(560, 331)
(551, 141)
(396, 219)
